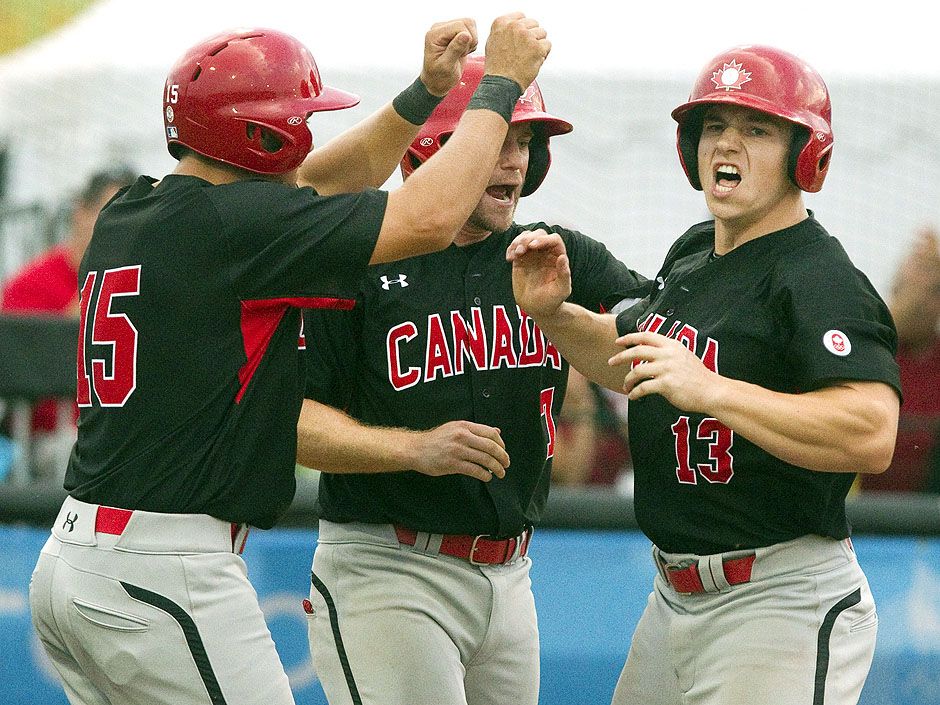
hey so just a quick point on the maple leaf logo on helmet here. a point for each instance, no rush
(731, 76)
(532, 97)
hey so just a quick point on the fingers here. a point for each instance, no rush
(535, 241)
(466, 448)
(640, 353)
(443, 33)
(516, 48)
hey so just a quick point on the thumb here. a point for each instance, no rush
(458, 47)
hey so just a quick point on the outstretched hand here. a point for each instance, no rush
(446, 46)
(541, 275)
(462, 448)
(659, 365)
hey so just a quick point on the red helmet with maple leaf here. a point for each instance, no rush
(530, 108)
(771, 81)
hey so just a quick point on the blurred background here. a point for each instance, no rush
(81, 83)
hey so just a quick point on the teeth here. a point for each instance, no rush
(727, 169)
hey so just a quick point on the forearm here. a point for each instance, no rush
(425, 212)
(846, 428)
(363, 156)
(586, 340)
(332, 441)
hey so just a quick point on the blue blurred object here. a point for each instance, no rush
(7, 450)
(590, 589)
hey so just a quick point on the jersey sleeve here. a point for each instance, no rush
(332, 350)
(299, 244)
(598, 279)
(836, 325)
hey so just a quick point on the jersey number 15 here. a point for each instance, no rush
(105, 328)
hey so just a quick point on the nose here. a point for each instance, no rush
(729, 139)
(514, 158)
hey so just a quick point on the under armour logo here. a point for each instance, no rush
(386, 282)
(662, 283)
(70, 521)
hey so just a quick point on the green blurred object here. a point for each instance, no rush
(22, 21)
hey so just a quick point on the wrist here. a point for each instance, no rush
(416, 103)
(496, 93)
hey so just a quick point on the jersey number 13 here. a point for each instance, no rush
(720, 466)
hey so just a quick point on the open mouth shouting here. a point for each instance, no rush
(726, 178)
(503, 194)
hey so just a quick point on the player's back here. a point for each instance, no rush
(170, 348)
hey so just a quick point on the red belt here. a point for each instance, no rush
(685, 578)
(111, 520)
(479, 550)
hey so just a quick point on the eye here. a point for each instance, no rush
(712, 127)
(758, 131)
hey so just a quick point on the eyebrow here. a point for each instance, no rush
(712, 113)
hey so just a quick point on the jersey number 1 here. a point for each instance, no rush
(112, 388)
(546, 398)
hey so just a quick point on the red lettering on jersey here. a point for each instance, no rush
(721, 468)
(551, 353)
(469, 343)
(710, 356)
(687, 335)
(83, 395)
(437, 357)
(116, 330)
(503, 351)
(546, 399)
(652, 323)
(531, 342)
(401, 380)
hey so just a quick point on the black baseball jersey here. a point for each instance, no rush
(190, 378)
(787, 311)
(439, 338)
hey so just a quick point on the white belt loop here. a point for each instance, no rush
(711, 571)
(428, 544)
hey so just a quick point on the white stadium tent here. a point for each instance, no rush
(89, 95)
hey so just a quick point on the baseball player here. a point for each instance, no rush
(761, 378)
(189, 373)
(423, 538)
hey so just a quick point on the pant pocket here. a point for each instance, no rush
(110, 618)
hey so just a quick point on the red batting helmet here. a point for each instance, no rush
(221, 93)
(443, 121)
(773, 82)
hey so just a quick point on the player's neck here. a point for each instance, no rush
(734, 232)
(220, 173)
(469, 235)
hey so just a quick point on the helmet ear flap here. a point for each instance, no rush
(539, 160)
(797, 144)
(687, 137)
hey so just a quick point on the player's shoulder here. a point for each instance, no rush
(809, 246)
(698, 238)
(574, 240)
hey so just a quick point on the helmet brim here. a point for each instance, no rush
(331, 99)
(809, 120)
(550, 125)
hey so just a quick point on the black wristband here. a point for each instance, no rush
(415, 104)
(496, 93)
